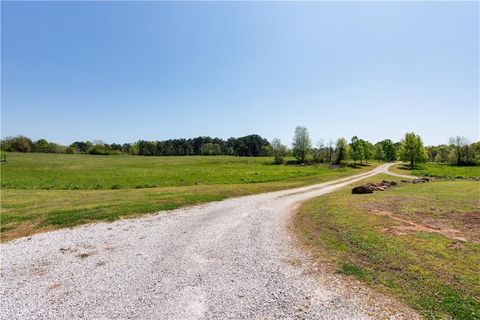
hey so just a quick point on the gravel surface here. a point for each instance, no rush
(233, 259)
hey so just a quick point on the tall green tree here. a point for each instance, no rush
(341, 150)
(356, 149)
(412, 149)
(389, 149)
(302, 145)
(378, 153)
(367, 150)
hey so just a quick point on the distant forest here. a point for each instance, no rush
(248, 146)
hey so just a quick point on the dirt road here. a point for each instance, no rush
(232, 259)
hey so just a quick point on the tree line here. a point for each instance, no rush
(249, 146)
(410, 149)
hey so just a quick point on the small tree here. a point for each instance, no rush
(475, 147)
(442, 153)
(266, 151)
(458, 143)
(319, 153)
(356, 149)
(278, 150)
(329, 155)
(341, 150)
(378, 152)
(40, 145)
(412, 150)
(367, 150)
(302, 145)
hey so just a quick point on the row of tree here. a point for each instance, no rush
(250, 146)
(410, 149)
(458, 152)
(358, 150)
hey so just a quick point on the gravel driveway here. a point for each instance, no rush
(232, 259)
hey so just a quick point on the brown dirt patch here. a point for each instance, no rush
(471, 219)
(23, 230)
(411, 226)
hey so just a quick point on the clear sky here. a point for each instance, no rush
(123, 71)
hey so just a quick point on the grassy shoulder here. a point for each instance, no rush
(438, 170)
(419, 242)
(28, 211)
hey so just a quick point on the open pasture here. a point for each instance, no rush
(47, 191)
(87, 172)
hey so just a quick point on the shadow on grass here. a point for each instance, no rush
(358, 165)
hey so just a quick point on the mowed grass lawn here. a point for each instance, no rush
(438, 170)
(419, 242)
(47, 191)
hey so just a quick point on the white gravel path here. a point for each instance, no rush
(232, 259)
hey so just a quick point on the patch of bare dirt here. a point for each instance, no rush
(23, 230)
(471, 219)
(411, 226)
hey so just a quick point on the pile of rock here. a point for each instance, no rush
(371, 187)
(418, 180)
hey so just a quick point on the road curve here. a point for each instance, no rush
(232, 259)
(386, 171)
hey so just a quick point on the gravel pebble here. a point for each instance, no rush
(232, 259)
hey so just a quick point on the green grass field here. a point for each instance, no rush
(438, 170)
(48, 191)
(419, 242)
(86, 172)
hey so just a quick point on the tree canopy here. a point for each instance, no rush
(412, 149)
(302, 145)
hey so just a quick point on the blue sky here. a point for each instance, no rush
(123, 71)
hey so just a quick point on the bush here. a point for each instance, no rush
(99, 150)
(18, 144)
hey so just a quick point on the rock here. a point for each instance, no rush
(420, 180)
(371, 187)
(362, 190)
